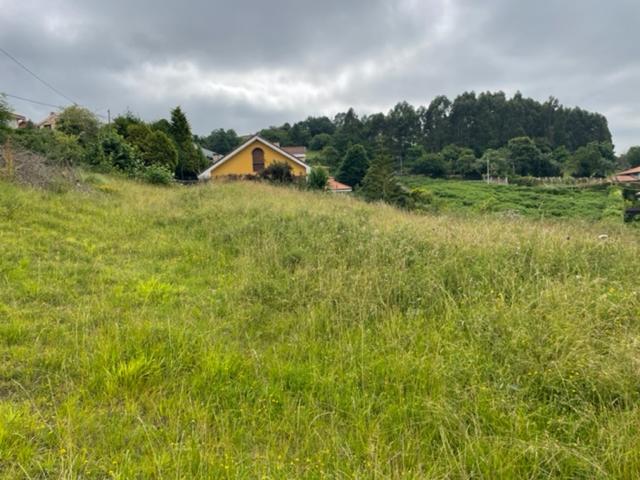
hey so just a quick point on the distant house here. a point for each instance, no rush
(335, 186)
(251, 158)
(50, 121)
(299, 152)
(210, 155)
(18, 121)
(631, 175)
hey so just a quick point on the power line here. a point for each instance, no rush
(44, 82)
(37, 102)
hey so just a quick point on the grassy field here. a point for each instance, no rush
(596, 203)
(246, 331)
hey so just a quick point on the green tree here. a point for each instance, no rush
(138, 135)
(161, 125)
(468, 165)
(278, 135)
(435, 124)
(354, 166)
(450, 155)
(527, 159)
(560, 158)
(318, 125)
(495, 162)
(431, 165)
(461, 161)
(330, 158)
(191, 161)
(414, 155)
(154, 147)
(299, 134)
(111, 150)
(122, 122)
(349, 131)
(593, 160)
(221, 141)
(318, 178)
(630, 159)
(160, 150)
(80, 122)
(380, 182)
(320, 141)
(403, 128)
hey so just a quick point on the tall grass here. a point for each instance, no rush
(248, 331)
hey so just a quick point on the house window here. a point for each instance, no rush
(258, 160)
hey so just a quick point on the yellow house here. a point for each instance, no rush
(251, 158)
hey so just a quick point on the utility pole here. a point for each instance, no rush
(109, 116)
(488, 178)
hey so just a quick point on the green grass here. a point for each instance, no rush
(246, 331)
(473, 197)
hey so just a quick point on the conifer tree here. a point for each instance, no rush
(354, 166)
(380, 182)
(190, 159)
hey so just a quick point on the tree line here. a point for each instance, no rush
(467, 137)
(156, 151)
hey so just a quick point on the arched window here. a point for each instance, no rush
(258, 159)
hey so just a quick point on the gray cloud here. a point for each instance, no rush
(247, 64)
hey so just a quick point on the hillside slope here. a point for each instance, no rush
(245, 331)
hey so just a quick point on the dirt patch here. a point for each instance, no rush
(28, 168)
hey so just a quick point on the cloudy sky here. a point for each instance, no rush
(247, 64)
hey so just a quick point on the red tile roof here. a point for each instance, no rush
(335, 186)
(630, 171)
(626, 178)
(630, 175)
(295, 150)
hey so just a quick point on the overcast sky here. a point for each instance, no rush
(246, 64)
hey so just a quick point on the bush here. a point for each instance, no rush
(111, 150)
(278, 172)
(154, 146)
(318, 178)
(157, 174)
(56, 146)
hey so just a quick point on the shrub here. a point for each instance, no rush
(318, 178)
(154, 146)
(278, 172)
(157, 174)
(56, 146)
(111, 150)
